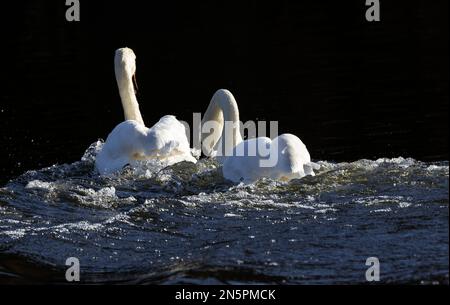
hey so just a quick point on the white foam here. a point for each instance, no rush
(16, 234)
(232, 215)
(38, 184)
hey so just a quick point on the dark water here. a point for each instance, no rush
(185, 224)
(348, 88)
(351, 90)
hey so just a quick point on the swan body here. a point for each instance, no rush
(131, 140)
(282, 158)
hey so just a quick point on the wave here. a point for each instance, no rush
(156, 219)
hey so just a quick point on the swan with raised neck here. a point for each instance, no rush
(130, 141)
(125, 70)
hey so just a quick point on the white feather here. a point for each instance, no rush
(131, 140)
(246, 161)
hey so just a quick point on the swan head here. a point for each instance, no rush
(223, 94)
(125, 64)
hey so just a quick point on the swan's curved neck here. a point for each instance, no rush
(223, 110)
(127, 95)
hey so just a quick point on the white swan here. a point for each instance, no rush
(239, 164)
(131, 140)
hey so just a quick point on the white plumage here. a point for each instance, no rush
(131, 141)
(283, 158)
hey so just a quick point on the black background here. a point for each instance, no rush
(348, 88)
(287, 294)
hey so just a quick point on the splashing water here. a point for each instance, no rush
(186, 224)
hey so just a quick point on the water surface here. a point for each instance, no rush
(186, 224)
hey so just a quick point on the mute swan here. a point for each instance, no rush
(292, 159)
(131, 140)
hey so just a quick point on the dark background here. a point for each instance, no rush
(348, 88)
